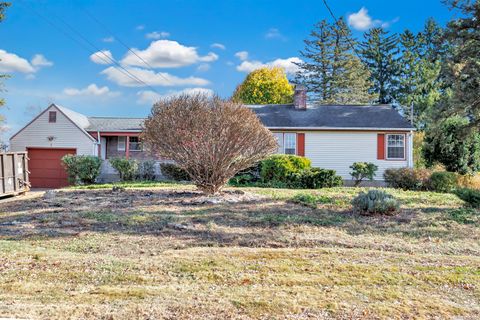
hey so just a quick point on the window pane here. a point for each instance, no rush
(52, 116)
(290, 140)
(396, 146)
(279, 137)
(135, 144)
(121, 144)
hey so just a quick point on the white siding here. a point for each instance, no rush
(338, 150)
(65, 133)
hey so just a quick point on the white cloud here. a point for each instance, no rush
(274, 33)
(108, 39)
(203, 67)
(150, 97)
(10, 62)
(102, 57)
(140, 27)
(242, 55)
(167, 54)
(362, 21)
(157, 35)
(92, 90)
(287, 64)
(39, 60)
(218, 46)
(149, 77)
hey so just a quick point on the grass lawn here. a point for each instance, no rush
(149, 253)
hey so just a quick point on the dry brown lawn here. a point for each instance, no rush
(155, 254)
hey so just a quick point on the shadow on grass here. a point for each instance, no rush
(167, 213)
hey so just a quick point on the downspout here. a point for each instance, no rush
(99, 153)
(410, 149)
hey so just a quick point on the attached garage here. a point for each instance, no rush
(45, 166)
(55, 132)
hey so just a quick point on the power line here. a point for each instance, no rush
(121, 42)
(107, 59)
(352, 45)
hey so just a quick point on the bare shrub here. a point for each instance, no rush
(210, 138)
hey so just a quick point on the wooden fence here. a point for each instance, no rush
(13, 173)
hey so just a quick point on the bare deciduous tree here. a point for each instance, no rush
(210, 138)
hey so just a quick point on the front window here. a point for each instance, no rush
(396, 146)
(121, 143)
(290, 143)
(135, 144)
(279, 137)
(287, 142)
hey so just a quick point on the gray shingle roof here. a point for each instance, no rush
(286, 116)
(114, 124)
(331, 116)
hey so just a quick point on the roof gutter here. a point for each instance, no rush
(340, 129)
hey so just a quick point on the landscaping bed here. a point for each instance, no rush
(166, 251)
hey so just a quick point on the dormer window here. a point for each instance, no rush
(52, 116)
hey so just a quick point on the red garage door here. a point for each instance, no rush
(45, 166)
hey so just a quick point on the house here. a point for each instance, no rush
(331, 136)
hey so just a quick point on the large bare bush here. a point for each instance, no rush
(210, 138)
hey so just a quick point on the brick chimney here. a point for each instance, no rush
(300, 97)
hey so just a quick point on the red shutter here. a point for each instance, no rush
(381, 146)
(301, 144)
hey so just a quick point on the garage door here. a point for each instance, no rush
(45, 166)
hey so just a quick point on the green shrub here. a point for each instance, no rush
(314, 178)
(246, 177)
(126, 168)
(146, 170)
(407, 178)
(280, 167)
(82, 169)
(375, 202)
(173, 172)
(443, 181)
(470, 196)
(362, 170)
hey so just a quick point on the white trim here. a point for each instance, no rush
(404, 146)
(59, 110)
(124, 143)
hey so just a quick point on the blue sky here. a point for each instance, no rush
(188, 46)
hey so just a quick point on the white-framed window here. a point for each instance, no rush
(287, 142)
(135, 144)
(279, 137)
(122, 141)
(395, 146)
(290, 143)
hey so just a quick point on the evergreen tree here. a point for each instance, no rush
(461, 67)
(420, 64)
(379, 53)
(331, 72)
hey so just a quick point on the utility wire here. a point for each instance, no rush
(107, 59)
(352, 45)
(121, 42)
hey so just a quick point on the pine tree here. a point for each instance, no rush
(331, 71)
(379, 53)
(461, 67)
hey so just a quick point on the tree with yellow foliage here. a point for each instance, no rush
(264, 86)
